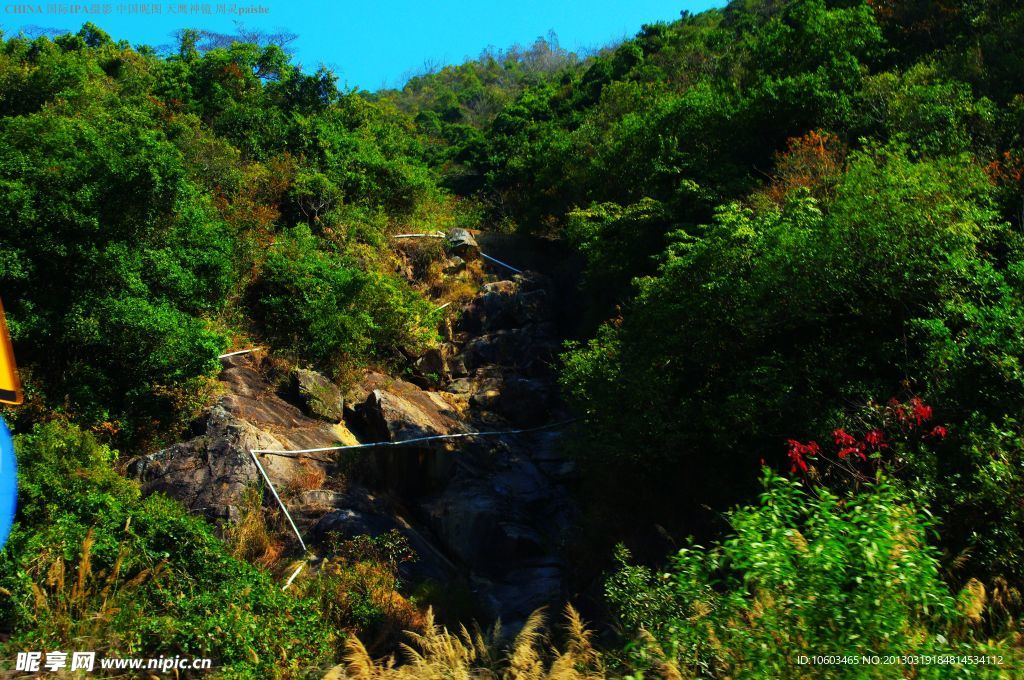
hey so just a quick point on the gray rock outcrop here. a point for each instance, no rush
(493, 511)
(318, 396)
(462, 244)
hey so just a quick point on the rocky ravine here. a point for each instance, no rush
(491, 511)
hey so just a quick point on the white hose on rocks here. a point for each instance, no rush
(406, 442)
(279, 501)
(416, 440)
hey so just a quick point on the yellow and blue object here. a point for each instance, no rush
(8, 482)
(10, 393)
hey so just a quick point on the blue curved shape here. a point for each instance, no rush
(8, 482)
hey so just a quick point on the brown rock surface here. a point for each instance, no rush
(209, 473)
(494, 510)
(396, 410)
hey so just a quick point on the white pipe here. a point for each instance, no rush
(294, 574)
(241, 351)
(416, 440)
(279, 501)
(429, 235)
(494, 259)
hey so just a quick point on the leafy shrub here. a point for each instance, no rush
(771, 321)
(150, 580)
(804, 574)
(619, 244)
(324, 308)
(921, 106)
(974, 483)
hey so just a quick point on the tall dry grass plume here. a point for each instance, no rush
(251, 537)
(88, 607)
(439, 654)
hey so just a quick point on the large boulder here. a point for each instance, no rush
(373, 518)
(480, 528)
(503, 305)
(241, 376)
(461, 243)
(522, 590)
(318, 396)
(454, 265)
(440, 364)
(395, 410)
(491, 310)
(530, 350)
(526, 401)
(210, 472)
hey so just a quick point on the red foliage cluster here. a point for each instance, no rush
(847, 444)
(798, 453)
(812, 161)
(914, 415)
(1006, 170)
(909, 418)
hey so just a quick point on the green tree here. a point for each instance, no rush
(800, 574)
(110, 256)
(770, 321)
(320, 306)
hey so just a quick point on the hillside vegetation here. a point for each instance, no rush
(798, 366)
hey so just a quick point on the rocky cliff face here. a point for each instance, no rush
(492, 511)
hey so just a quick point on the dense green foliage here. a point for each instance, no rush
(789, 212)
(802, 574)
(139, 195)
(323, 307)
(451, 105)
(750, 327)
(90, 562)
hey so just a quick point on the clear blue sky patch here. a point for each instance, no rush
(374, 44)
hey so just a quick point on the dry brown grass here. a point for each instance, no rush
(251, 538)
(973, 599)
(310, 478)
(663, 665)
(420, 253)
(346, 591)
(454, 288)
(469, 655)
(428, 259)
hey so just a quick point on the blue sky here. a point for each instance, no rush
(369, 43)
